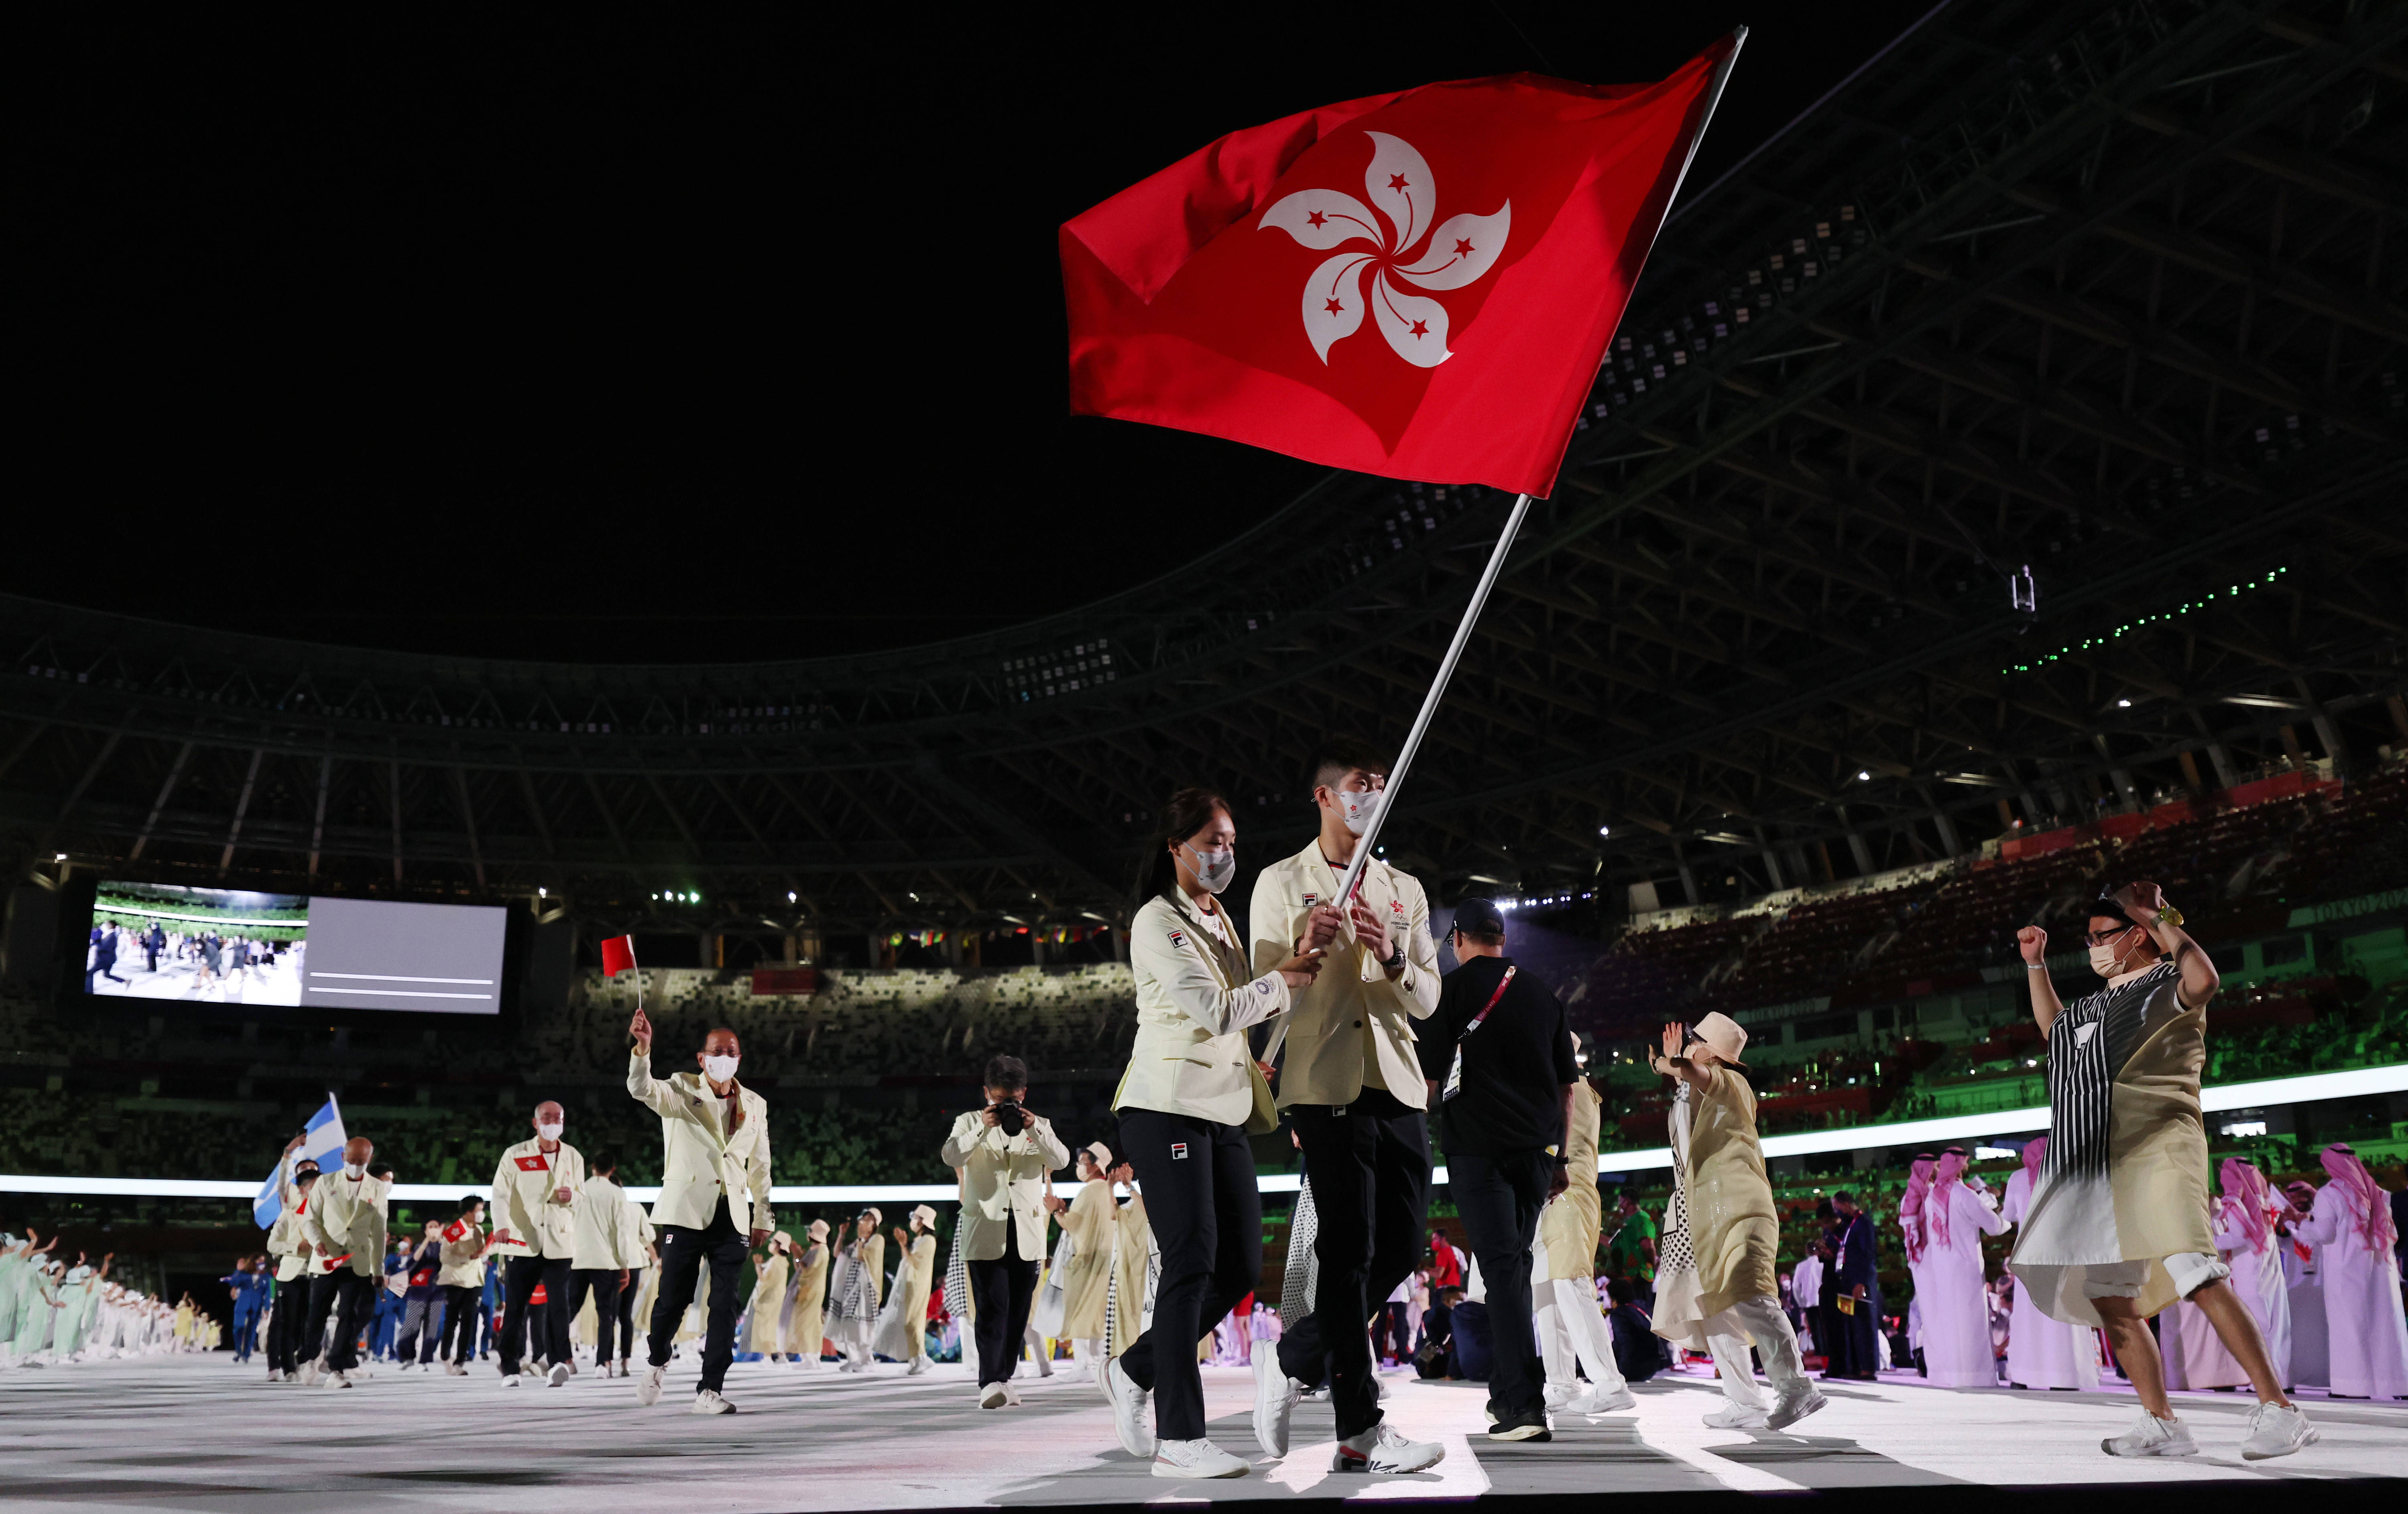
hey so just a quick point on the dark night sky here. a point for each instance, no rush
(686, 335)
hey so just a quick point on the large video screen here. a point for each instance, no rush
(226, 946)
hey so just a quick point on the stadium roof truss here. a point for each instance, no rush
(2022, 420)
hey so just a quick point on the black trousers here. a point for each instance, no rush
(292, 1306)
(1500, 1198)
(519, 1276)
(627, 1312)
(685, 1252)
(1370, 1163)
(1002, 1290)
(459, 1339)
(604, 1284)
(1206, 1216)
(348, 1299)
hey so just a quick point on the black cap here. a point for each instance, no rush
(1479, 915)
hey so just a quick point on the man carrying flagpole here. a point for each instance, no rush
(1353, 1088)
(1416, 285)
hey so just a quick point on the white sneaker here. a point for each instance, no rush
(707, 1401)
(1795, 1404)
(339, 1379)
(2152, 1437)
(1560, 1394)
(1736, 1417)
(1594, 1402)
(647, 1385)
(1195, 1459)
(510, 1380)
(1380, 1449)
(993, 1396)
(1129, 1405)
(290, 1376)
(559, 1374)
(919, 1364)
(2277, 1430)
(311, 1373)
(453, 1369)
(1010, 1395)
(1275, 1398)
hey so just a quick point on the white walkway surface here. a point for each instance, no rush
(196, 1431)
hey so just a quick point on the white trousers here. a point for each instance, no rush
(1726, 1336)
(1571, 1329)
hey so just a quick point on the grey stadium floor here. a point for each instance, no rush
(197, 1431)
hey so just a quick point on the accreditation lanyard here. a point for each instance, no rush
(1455, 1069)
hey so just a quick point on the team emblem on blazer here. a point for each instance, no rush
(1178, 938)
(1310, 899)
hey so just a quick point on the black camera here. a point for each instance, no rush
(1009, 1117)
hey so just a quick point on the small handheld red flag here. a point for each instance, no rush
(618, 956)
(1445, 325)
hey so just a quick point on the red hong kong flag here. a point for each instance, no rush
(618, 956)
(1419, 285)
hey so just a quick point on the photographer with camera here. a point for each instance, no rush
(1007, 1157)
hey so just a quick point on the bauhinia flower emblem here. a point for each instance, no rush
(1404, 203)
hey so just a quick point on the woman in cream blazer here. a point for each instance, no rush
(1183, 1106)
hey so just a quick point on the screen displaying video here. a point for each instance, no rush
(227, 946)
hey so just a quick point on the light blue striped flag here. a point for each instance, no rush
(323, 1142)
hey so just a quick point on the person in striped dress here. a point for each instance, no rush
(2118, 1224)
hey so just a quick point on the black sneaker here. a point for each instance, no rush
(1530, 1426)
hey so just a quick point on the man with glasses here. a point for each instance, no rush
(2119, 1225)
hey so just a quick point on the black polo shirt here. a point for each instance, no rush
(1515, 1066)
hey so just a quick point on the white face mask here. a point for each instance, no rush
(1213, 868)
(2106, 960)
(719, 1069)
(551, 1131)
(355, 1169)
(1356, 809)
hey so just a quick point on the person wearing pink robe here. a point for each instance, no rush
(2042, 1352)
(2352, 1231)
(1957, 1350)
(2245, 1221)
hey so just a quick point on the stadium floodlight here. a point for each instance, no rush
(790, 896)
(1605, 830)
(61, 857)
(2123, 704)
(1864, 775)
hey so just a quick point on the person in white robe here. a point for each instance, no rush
(2245, 1235)
(1956, 1349)
(2352, 1230)
(2042, 1352)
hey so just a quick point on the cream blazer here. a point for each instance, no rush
(636, 1234)
(1004, 1180)
(1353, 1025)
(524, 1181)
(704, 1161)
(347, 1217)
(1194, 1003)
(463, 1259)
(600, 1227)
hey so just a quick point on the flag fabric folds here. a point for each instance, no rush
(323, 1142)
(1420, 285)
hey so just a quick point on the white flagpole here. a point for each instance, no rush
(1353, 877)
(1363, 849)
